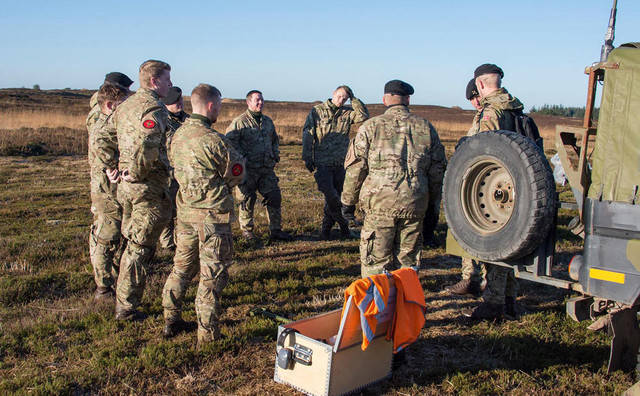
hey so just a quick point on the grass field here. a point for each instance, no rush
(55, 340)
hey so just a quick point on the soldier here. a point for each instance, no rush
(175, 106)
(395, 166)
(325, 139)
(206, 168)
(497, 112)
(116, 78)
(254, 136)
(141, 122)
(107, 213)
(473, 272)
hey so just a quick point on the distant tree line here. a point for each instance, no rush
(565, 111)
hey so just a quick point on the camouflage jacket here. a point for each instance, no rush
(206, 167)
(395, 165)
(498, 111)
(325, 136)
(257, 141)
(140, 122)
(174, 121)
(102, 155)
(95, 111)
(474, 124)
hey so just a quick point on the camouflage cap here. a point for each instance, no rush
(173, 96)
(118, 78)
(488, 68)
(472, 90)
(397, 87)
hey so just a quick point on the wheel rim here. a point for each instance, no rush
(488, 195)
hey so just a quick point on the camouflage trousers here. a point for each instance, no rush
(265, 181)
(501, 283)
(474, 270)
(104, 239)
(167, 238)
(389, 243)
(207, 248)
(143, 218)
(330, 180)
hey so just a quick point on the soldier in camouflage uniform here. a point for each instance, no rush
(116, 78)
(473, 272)
(254, 136)
(325, 139)
(498, 112)
(107, 213)
(395, 166)
(206, 167)
(175, 106)
(141, 122)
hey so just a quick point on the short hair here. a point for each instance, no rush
(204, 93)
(151, 69)
(346, 89)
(491, 80)
(253, 91)
(111, 93)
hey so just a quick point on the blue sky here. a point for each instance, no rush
(296, 50)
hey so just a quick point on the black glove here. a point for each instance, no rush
(349, 212)
(309, 165)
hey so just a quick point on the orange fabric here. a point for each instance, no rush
(410, 308)
(371, 296)
(363, 297)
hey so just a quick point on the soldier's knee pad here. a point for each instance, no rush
(273, 198)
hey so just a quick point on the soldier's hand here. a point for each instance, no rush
(349, 212)
(113, 175)
(310, 166)
(126, 176)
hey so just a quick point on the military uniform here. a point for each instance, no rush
(498, 112)
(141, 122)
(107, 213)
(206, 167)
(395, 166)
(174, 121)
(325, 139)
(95, 111)
(254, 136)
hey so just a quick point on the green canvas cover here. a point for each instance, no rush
(616, 156)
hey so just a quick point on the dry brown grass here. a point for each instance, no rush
(31, 118)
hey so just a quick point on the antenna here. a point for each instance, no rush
(608, 38)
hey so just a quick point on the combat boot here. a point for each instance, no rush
(464, 287)
(346, 233)
(280, 235)
(484, 311)
(104, 294)
(173, 327)
(510, 309)
(325, 231)
(129, 315)
(205, 337)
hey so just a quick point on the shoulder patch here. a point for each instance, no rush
(237, 169)
(149, 124)
(486, 118)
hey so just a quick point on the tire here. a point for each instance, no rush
(499, 195)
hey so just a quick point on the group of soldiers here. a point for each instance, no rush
(160, 176)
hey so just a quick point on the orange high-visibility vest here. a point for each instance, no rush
(373, 294)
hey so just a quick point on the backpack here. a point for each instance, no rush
(527, 127)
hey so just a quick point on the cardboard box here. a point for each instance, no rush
(327, 368)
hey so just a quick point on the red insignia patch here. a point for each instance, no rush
(149, 124)
(486, 118)
(236, 170)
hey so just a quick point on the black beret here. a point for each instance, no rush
(173, 96)
(118, 78)
(398, 87)
(488, 68)
(472, 90)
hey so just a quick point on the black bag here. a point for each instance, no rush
(527, 127)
